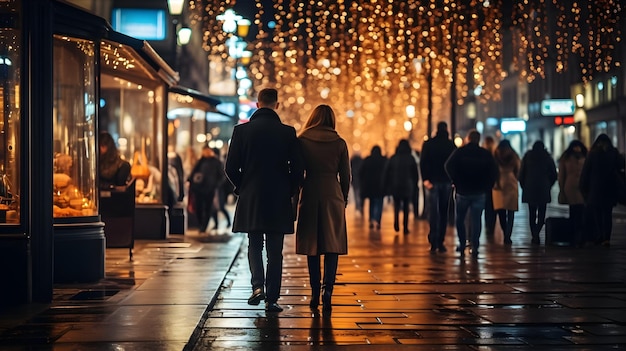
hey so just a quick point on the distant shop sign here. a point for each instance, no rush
(558, 107)
(512, 125)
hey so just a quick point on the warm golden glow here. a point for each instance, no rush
(371, 59)
(587, 30)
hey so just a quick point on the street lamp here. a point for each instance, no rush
(183, 36)
(175, 7)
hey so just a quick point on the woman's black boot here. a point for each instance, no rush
(330, 271)
(314, 280)
(327, 306)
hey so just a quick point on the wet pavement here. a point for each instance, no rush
(185, 293)
(393, 294)
(152, 303)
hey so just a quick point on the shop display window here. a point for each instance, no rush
(132, 110)
(74, 128)
(10, 111)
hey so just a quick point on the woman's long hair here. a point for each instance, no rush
(602, 143)
(322, 116)
(105, 139)
(504, 153)
(575, 149)
(110, 159)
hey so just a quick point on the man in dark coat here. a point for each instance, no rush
(401, 176)
(355, 165)
(473, 172)
(435, 152)
(371, 174)
(265, 166)
(537, 174)
(600, 185)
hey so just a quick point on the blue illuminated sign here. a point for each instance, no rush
(145, 24)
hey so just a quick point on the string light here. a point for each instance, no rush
(360, 57)
(585, 31)
(373, 58)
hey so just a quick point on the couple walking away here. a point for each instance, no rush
(312, 168)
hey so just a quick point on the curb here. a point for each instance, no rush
(197, 332)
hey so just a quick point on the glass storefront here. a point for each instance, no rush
(191, 125)
(132, 110)
(10, 111)
(74, 125)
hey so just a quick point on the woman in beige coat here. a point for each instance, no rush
(570, 167)
(321, 228)
(506, 190)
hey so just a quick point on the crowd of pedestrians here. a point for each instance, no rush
(306, 192)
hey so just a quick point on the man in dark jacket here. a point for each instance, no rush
(537, 174)
(207, 175)
(265, 166)
(473, 172)
(435, 152)
(401, 176)
(355, 165)
(371, 174)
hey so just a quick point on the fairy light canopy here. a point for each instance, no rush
(371, 59)
(584, 32)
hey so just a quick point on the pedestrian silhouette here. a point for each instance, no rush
(265, 167)
(570, 167)
(321, 228)
(491, 217)
(206, 177)
(473, 172)
(371, 175)
(435, 153)
(536, 176)
(400, 178)
(599, 184)
(506, 190)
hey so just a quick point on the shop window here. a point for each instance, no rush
(10, 111)
(74, 114)
(132, 110)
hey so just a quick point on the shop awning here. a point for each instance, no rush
(147, 54)
(193, 98)
(185, 102)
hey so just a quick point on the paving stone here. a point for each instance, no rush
(391, 294)
(511, 298)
